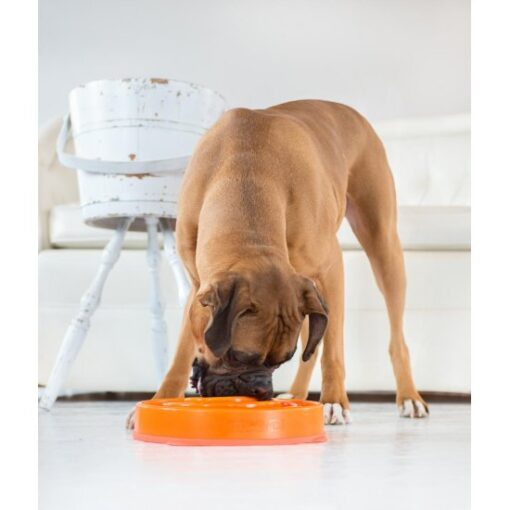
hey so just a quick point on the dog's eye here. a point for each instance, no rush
(248, 312)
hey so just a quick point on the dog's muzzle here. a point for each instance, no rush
(254, 382)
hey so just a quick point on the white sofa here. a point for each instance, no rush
(430, 162)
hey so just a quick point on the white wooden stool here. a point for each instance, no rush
(124, 132)
(78, 329)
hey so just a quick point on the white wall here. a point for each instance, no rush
(387, 58)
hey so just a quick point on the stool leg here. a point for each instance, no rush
(183, 286)
(77, 330)
(158, 326)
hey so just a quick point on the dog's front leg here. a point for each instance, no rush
(176, 380)
(299, 388)
(333, 394)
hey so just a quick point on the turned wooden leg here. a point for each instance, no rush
(77, 330)
(158, 324)
(183, 286)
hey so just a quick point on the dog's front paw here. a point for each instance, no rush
(335, 414)
(285, 396)
(130, 420)
(292, 395)
(413, 408)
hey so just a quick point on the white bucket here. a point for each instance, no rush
(133, 139)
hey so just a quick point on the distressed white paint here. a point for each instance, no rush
(158, 324)
(79, 327)
(183, 286)
(77, 330)
(133, 139)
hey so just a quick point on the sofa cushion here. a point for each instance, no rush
(424, 228)
(429, 159)
(420, 228)
(117, 354)
(67, 230)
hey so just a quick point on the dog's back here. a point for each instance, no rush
(303, 160)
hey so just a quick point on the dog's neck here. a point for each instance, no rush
(248, 258)
(250, 229)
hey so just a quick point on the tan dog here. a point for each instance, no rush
(261, 203)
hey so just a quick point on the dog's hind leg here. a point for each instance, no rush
(371, 212)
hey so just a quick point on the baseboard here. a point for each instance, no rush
(361, 396)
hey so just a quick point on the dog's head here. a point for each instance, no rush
(252, 323)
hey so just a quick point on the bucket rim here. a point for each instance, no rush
(154, 80)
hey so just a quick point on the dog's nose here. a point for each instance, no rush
(251, 383)
(261, 392)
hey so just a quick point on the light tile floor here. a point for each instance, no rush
(381, 461)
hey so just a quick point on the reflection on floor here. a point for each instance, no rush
(87, 461)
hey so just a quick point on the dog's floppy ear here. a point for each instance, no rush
(221, 297)
(317, 311)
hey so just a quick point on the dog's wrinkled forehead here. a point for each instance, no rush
(261, 317)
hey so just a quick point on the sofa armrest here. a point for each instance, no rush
(57, 184)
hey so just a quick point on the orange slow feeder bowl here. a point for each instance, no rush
(200, 421)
